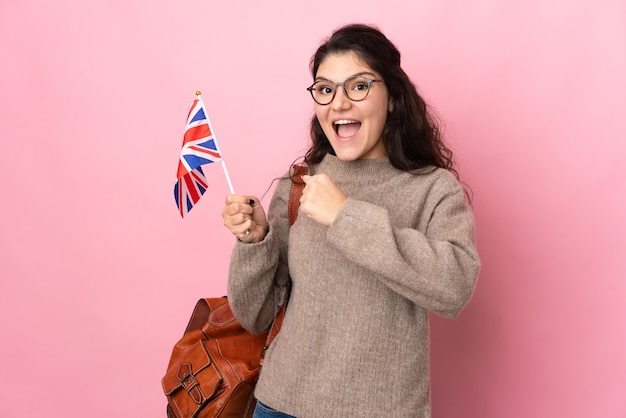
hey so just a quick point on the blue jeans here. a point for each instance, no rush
(264, 411)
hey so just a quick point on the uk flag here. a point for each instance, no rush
(199, 148)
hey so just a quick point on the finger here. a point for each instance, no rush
(235, 209)
(243, 231)
(251, 201)
(240, 207)
(237, 198)
(240, 228)
(306, 178)
(241, 218)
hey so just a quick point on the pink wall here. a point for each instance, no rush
(99, 273)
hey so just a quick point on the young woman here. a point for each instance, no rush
(383, 236)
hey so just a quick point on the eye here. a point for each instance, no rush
(324, 88)
(358, 84)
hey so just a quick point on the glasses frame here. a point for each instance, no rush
(311, 88)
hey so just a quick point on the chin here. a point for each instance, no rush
(347, 156)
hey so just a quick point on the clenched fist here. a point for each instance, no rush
(321, 199)
(245, 218)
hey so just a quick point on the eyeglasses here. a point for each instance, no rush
(355, 88)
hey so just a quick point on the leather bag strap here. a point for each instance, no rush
(297, 185)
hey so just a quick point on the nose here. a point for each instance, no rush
(340, 101)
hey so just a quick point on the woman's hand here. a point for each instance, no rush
(321, 199)
(245, 218)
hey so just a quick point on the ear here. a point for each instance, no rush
(390, 106)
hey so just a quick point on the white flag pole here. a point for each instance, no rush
(230, 184)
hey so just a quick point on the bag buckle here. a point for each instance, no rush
(187, 379)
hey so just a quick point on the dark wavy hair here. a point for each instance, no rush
(411, 135)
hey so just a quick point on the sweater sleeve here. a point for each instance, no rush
(258, 275)
(435, 265)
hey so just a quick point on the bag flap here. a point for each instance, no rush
(195, 374)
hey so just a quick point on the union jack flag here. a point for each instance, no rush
(199, 148)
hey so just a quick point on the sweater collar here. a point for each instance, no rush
(360, 171)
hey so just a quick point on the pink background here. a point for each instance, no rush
(99, 273)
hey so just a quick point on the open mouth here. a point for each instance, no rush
(345, 128)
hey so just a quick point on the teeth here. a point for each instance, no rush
(345, 122)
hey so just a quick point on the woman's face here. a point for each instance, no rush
(354, 129)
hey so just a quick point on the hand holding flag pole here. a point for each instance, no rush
(200, 147)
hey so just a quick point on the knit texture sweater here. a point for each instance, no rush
(355, 338)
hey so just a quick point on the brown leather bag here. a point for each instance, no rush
(214, 367)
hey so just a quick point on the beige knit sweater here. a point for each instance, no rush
(355, 339)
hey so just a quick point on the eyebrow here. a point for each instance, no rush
(352, 76)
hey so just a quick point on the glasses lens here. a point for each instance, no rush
(323, 92)
(357, 88)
